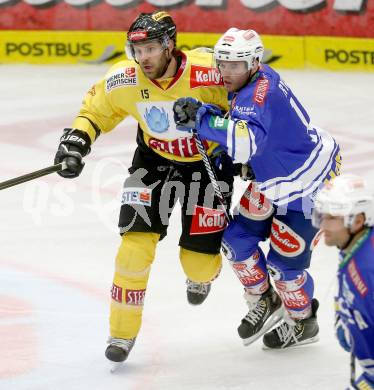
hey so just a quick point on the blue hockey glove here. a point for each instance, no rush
(205, 109)
(185, 110)
(342, 334)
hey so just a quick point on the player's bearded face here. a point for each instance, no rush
(235, 74)
(153, 58)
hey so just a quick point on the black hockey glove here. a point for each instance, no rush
(245, 172)
(185, 110)
(224, 163)
(74, 145)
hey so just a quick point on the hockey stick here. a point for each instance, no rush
(32, 175)
(212, 176)
(353, 370)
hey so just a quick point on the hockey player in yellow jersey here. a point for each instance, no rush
(166, 166)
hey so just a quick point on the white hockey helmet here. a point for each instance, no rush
(346, 196)
(239, 45)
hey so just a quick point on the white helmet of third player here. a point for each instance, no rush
(346, 196)
(239, 45)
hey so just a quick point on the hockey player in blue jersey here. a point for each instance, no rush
(268, 128)
(344, 210)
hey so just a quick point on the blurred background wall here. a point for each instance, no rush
(329, 34)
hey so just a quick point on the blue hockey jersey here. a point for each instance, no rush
(355, 300)
(269, 127)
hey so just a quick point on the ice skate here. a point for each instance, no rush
(197, 292)
(263, 314)
(118, 350)
(292, 333)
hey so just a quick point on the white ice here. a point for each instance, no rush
(59, 240)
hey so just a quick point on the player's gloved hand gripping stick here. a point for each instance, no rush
(74, 145)
(185, 110)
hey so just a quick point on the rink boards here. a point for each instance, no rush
(90, 47)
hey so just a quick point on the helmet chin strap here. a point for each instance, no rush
(249, 78)
(345, 246)
(351, 237)
(255, 69)
(178, 61)
(168, 62)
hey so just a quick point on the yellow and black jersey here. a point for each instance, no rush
(125, 90)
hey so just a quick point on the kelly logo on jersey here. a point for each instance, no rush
(206, 220)
(122, 77)
(202, 76)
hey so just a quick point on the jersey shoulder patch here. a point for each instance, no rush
(265, 85)
(356, 278)
(123, 74)
(261, 90)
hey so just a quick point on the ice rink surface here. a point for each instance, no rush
(59, 240)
